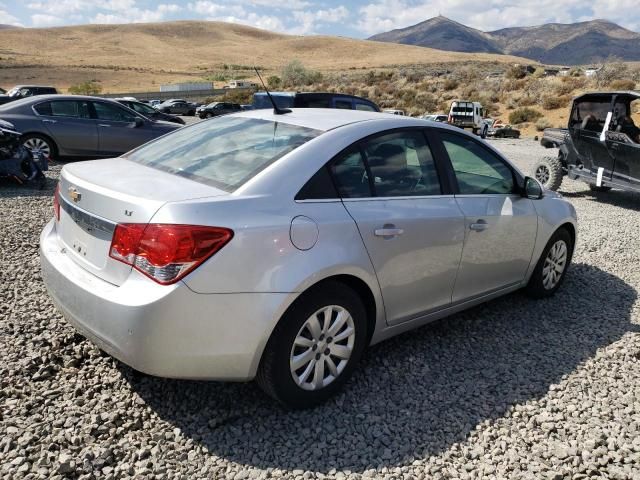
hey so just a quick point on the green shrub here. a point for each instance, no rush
(274, 81)
(523, 115)
(516, 72)
(85, 88)
(450, 84)
(295, 74)
(551, 102)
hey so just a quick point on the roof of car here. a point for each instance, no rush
(628, 93)
(329, 118)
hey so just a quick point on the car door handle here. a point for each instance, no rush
(479, 226)
(46, 120)
(103, 125)
(615, 146)
(388, 232)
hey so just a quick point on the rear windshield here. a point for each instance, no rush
(261, 100)
(225, 152)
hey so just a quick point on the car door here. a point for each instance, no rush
(587, 122)
(69, 124)
(412, 229)
(627, 159)
(500, 224)
(117, 129)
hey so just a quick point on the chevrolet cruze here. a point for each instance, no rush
(277, 246)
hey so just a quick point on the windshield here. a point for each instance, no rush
(226, 152)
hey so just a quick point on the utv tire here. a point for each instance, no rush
(595, 188)
(549, 172)
(304, 337)
(552, 266)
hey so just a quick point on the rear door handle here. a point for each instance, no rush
(388, 232)
(479, 226)
(103, 125)
(615, 146)
(46, 120)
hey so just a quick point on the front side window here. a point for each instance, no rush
(590, 114)
(365, 107)
(477, 170)
(114, 113)
(344, 104)
(401, 164)
(64, 108)
(225, 152)
(142, 108)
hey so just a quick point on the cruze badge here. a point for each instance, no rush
(74, 194)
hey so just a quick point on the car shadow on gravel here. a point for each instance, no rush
(616, 198)
(415, 395)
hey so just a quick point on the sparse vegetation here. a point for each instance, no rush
(552, 102)
(623, 84)
(296, 74)
(543, 123)
(90, 87)
(274, 81)
(524, 115)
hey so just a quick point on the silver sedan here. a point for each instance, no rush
(278, 246)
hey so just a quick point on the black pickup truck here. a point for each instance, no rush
(600, 147)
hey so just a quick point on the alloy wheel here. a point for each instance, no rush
(542, 174)
(322, 348)
(554, 265)
(38, 145)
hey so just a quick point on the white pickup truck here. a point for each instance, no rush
(466, 114)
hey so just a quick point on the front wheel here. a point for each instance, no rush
(552, 265)
(549, 172)
(315, 347)
(39, 144)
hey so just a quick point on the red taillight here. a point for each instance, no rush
(56, 203)
(165, 252)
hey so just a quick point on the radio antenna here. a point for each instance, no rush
(276, 110)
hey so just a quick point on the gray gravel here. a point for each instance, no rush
(514, 389)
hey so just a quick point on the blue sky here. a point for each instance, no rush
(360, 18)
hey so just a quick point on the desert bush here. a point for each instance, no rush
(90, 87)
(523, 115)
(274, 81)
(623, 84)
(542, 123)
(295, 74)
(515, 72)
(613, 69)
(450, 84)
(553, 102)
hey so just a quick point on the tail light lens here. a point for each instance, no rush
(164, 252)
(56, 203)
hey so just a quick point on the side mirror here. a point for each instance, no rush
(533, 189)
(138, 122)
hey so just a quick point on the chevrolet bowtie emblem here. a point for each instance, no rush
(74, 194)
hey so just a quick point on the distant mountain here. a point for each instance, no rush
(553, 43)
(5, 26)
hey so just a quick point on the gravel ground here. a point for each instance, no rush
(513, 389)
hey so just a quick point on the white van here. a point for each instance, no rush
(465, 114)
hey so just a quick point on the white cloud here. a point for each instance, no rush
(7, 19)
(59, 7)
(308, 20)
(135, 15)
(266, 22)
(212, 9)
(45, 20)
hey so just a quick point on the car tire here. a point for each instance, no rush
(318, 375)
(549, 172)
(42, 143)
(552, 266)
(595, 188)
(191, 113)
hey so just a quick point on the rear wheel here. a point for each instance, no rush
(549, 172)
(552, 265)
(36, 143)
(315, 347)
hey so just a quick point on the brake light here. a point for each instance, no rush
(165, 252)
(56, 203)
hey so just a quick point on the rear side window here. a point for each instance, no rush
(401, 164)
(477, 170)
(365, 107)
(225, 152)
(590, 115)
(350, 174)
(344, 104)
(63, 108)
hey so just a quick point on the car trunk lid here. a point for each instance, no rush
(97, 195)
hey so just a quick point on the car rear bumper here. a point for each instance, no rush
(168, 331)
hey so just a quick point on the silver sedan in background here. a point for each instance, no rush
(80, 126)
(278, 246)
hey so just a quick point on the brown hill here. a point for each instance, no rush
(137, 56)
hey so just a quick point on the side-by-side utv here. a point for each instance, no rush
(601, 145)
